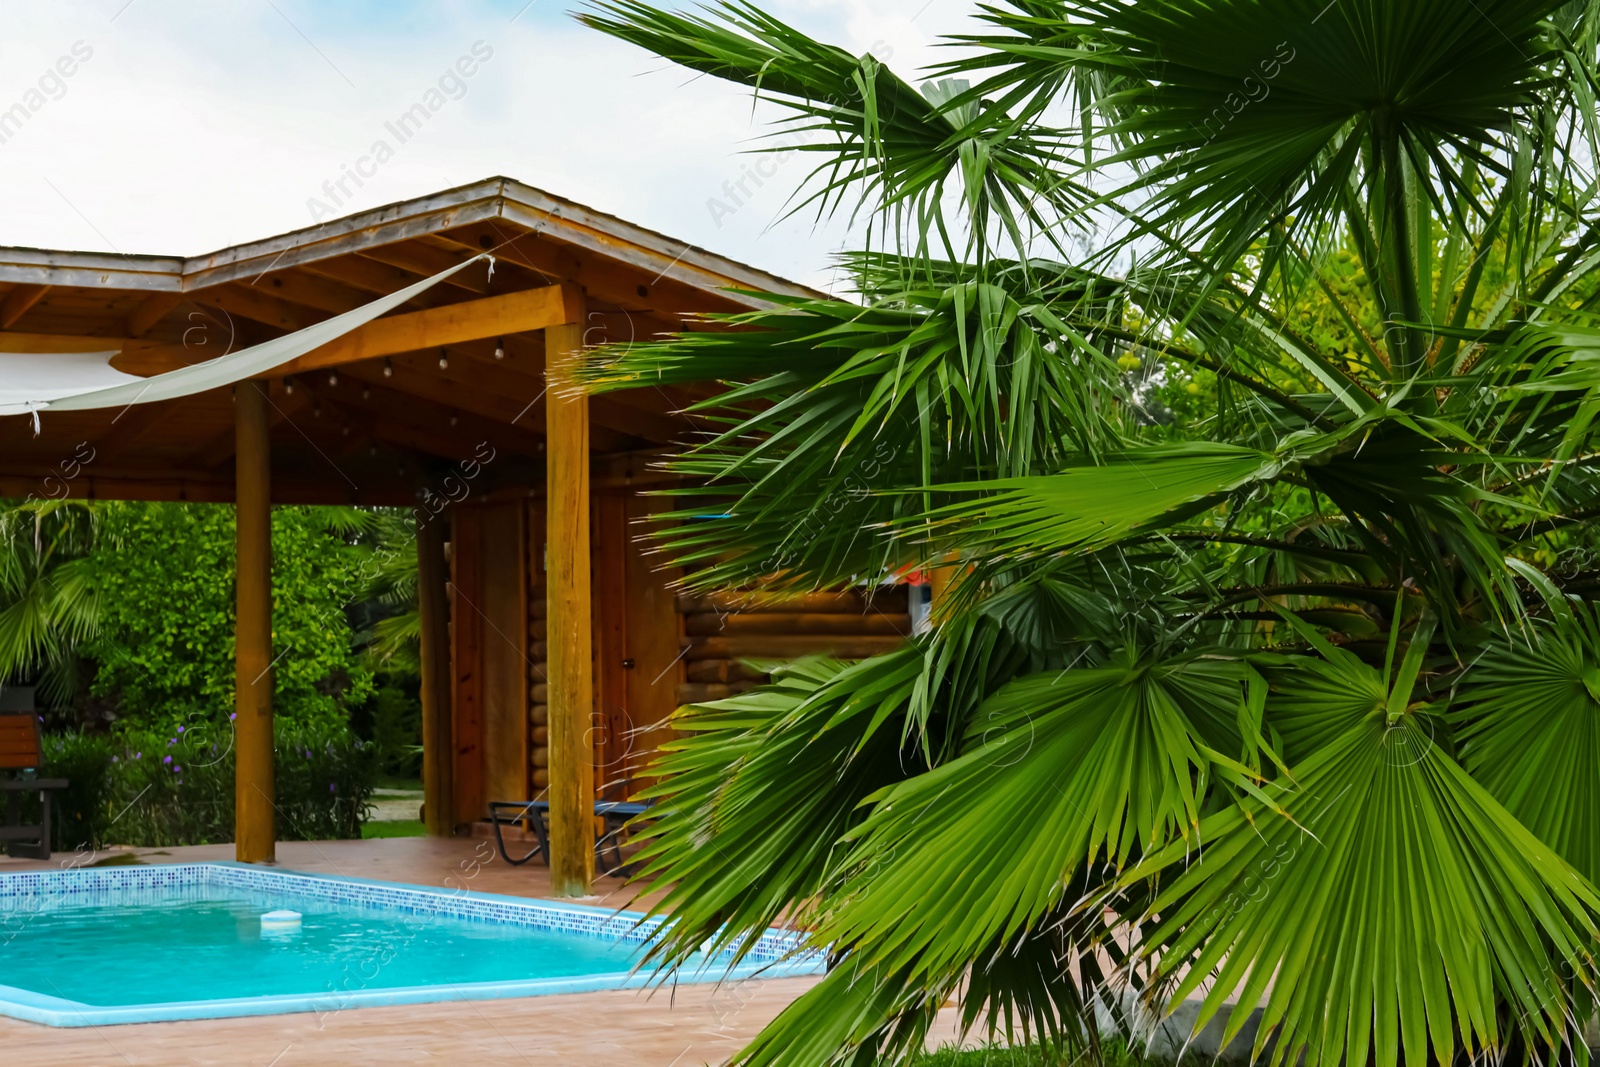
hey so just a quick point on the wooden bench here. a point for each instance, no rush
(21, 753)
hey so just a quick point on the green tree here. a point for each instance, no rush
(165, 578)
(1292, 686)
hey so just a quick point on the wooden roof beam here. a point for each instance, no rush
(18, 301)
(424, 261)
(14, 341)
(151, 310)
(247, 301)
(312, 290)
(469, 320)
(604, 279)
(370, 276)
(424, 420)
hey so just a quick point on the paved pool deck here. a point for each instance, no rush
(686, 1027)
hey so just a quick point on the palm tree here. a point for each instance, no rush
(1241, 361)
(49, 605)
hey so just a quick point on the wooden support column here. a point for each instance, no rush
(569, 618)
(939, 580)
(438, 746)
(254, 790)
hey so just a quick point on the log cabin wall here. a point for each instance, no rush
(488, 612)
(466, 678)
(723, 631)
(538, 654)
(500, 706)
(653, 650)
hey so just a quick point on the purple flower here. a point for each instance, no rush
(232, 715)
(166, 759)
(114, 759)
(180, 729)
(177, 770)
(332, 788)
(138, 755)
(171, 741)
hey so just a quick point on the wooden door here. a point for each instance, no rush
(636, 642)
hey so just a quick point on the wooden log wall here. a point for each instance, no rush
(723, 631)
(538, 655)
(490, 695)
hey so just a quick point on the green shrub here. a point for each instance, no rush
(165, 638)
(84, 760)
(392, 721)
(154, 788)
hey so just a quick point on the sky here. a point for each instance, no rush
(178, 127)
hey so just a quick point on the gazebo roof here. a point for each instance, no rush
(354, 426)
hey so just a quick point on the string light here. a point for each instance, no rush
(444, 360)
(333, 377)
(388, 369)
(500, 348)
(288, 386)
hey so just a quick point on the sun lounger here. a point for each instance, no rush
(613, 813)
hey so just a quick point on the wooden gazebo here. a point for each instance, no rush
(549, 641)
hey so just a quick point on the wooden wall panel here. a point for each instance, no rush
(466, 642)
(655, 630)
(612, 656)
(503, 643)
(538, 653)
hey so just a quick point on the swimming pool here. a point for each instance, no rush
(144, 944)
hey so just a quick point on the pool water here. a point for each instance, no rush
(94, 947)
(206, 942)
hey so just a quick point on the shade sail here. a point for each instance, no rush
(78, 381)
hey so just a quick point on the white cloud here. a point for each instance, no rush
(194, 125)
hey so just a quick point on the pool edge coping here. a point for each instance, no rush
(40, 1008)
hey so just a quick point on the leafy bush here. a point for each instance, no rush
(84, 760)
(154, 788)
(165, 643)
(392, 721)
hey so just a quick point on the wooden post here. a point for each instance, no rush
(254, 790)
(940, 579)
(438, 747)
(568, 617)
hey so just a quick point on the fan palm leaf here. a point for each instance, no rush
(1287, 381)
(1528, 727)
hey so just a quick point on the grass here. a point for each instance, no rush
(400, 828)
(995, 1056)
(1113, 1053)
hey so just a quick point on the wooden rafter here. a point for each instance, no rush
(425, 261)
(381, 410)
(18, 301)
(151, 310)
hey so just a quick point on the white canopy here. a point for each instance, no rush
(78, 381)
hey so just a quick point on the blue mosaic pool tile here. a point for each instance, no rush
(34, 890)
